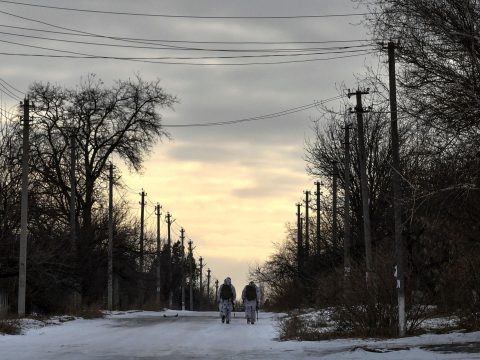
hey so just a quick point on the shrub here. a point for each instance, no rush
(10, 327)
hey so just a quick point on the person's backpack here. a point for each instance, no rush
(251, 292)
(226, 292)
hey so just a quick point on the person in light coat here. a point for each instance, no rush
(251, 298)
(225, 297)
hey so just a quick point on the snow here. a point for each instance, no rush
(201, 335)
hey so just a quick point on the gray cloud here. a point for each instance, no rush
(269, 152)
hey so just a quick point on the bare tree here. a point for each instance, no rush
(122, 120)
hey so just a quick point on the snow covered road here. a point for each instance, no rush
(193, 335)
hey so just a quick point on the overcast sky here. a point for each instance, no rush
(233, 187)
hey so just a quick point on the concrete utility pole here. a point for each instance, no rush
(318, 236)
(22, 265)
(182, 290)
(397, 192)
(299, 240)
(110, 238)
(170, 275)
(208, 289)
(347, 241)
(190, 254)
(73, 191)
(158, 212)
(201, 284)
(142, 226)
(334, 205)
(359, 110)
(307, 225)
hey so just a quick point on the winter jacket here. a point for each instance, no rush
(244, 294)
(226, 283)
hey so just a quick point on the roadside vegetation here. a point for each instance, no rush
(438, 77)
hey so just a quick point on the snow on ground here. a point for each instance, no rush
(201, 335)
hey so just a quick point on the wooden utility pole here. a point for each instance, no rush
(359, 110)
(22, 265)
(110, 238)
(208, 289)
(190, 255)
(299, 241)
(182, 290)
(318, 236)
(334, 205)
(307, 225)
(158, 213)
(201, 284)
(397, 192)
(347, 241)
(169, 251)
(73, 191)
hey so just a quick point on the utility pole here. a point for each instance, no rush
(208, 289)
(359, 110)
(170, 275)
(302, 222)
(334, 205)
(22, 265)
(142, 225)
(110, 238)
(299, 241)
(397, 192)
(190, 254)
(318, 236)
(307, 225)
(182, 290)
(216, 291)
(158, 213)
(73, 191)
(201, 284)
(347, 241)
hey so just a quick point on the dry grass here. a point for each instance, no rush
(10, 326)
(89, 312)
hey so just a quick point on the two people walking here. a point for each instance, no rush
(226, 297)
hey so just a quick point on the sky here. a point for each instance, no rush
(233, 188)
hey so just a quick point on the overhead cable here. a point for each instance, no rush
(182, 16)
(255, 118)
(74, 33)
(366, 52)
(168, 47)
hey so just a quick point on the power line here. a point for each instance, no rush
(123, 38)
(255, 118)
(7, 92)
(366, 52)
(168, 47)
(11, 86)
(149, 61)
(182, 16)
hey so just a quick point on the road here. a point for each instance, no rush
(195, 335)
